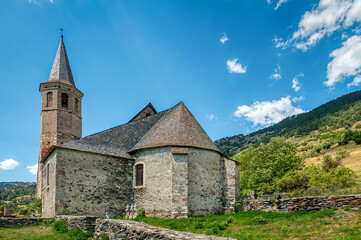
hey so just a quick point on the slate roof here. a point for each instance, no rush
(61, 68)
(173, 127)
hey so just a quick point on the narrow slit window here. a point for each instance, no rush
(139, 175)
(49, 99)
(76, 107)
(47, 174)
(64, 100)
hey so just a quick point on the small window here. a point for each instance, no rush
(47, 174)
(76, 105)
(139, 175)
(49, 99)
(64, 100)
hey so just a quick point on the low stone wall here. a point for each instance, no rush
(121, 229)
(84, 223)
(303, 203)
(11, 222)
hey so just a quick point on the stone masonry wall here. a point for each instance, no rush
(303, 203)
(231, 187)
(155, 196)
(121, 229)
(84, 223)
(206, 182)
(91, 184)
(180, 186)
(48, 190)
(12, 222)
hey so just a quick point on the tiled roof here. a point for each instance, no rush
(173, 127)
(177, 127)
(61, 68)
(116, 141)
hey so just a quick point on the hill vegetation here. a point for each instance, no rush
(341, 113)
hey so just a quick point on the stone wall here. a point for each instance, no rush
(121, 229)
(11, 222)
(48, 190)
(231, 186)
(84, 223)
(155, 196)
(205, 182)
(89, 184)
(303, 203)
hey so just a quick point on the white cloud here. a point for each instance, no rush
(356, 82)
(234, 67)
(38, 2)
(324, 19)
(8, 164)
(346, 61)
(33, 169)
(212, 117)
(296, 85)
(265, 113)
(279, 3)
(268, 2)
(298, 99)
(224, 39)
(276, 75)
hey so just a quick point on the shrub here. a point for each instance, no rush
(77, 234)
(60, 226)
(141, 212)
(66, 212)
(23, 211)
(330, 162)
(335, 178)
(358, 126)
(103, 236)
(294, 180)
(263, 166)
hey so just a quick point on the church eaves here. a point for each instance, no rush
(61, 68)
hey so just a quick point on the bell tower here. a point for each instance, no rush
(61, 119)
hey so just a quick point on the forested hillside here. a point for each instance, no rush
(13, 184)
(342, 112)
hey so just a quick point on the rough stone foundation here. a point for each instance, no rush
(303, 203)
(12, 222)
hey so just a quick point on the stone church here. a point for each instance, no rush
(163, 161)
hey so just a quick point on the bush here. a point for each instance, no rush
(103, 236)
(23, 211)
(141, 212)
(330, 162)
(335, 178)
(265, 165)
(77, 234)
(60, 226)
(294, 180)
(66, 212)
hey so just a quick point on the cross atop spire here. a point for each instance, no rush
(61, 70)
(62, 32)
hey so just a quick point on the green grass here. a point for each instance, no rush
(53, 231)
(37, 232)
(326, 224)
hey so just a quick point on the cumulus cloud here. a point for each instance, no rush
(268, 112)
(234, 67)
(298, 99)
(8, 164)
(346, 61)
(356, 82)
(324, 19)
(276, 75)
(33, 169)
(296, 85)
(279, 3)
(224, 39)
(211, 117)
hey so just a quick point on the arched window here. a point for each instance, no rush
(76, 105)
(139, 170)
(49, 99)
(64, 100)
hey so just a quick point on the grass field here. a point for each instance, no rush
(38, 232)
(326, 224)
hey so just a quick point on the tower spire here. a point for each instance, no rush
(61, 70)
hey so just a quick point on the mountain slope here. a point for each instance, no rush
(12, 184)
(342, 112)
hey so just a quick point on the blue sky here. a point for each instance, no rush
(237, 65)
